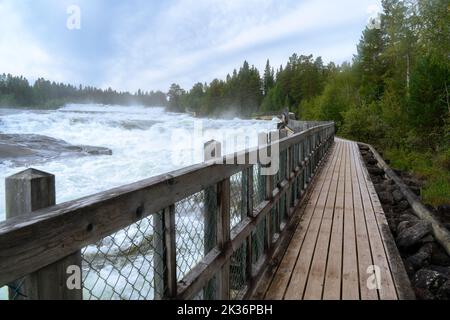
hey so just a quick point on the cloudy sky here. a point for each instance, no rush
(150, 44)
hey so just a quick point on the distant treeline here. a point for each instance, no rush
(246, 92)
(18, 92)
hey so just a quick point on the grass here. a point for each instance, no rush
(432, 169)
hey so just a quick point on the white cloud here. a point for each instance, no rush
(184, 41)
(190, 35)
(21, 53)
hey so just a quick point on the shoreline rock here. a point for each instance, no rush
(26, 149)
(425, 261)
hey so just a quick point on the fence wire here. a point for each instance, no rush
(238, 273)
(125, 265)
(259, 189)
(238, 198)
(195, 229)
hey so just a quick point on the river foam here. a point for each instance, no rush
(145, 142)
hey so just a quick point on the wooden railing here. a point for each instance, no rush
(40, 240)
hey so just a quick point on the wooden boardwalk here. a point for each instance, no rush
(342, 242)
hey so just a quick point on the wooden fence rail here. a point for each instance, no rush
(39, 240)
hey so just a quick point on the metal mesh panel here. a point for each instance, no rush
(258, 237)
(195, 229)
(13, 291)
(238, 198)
(208, 292)
(122, 266)
(258, 186)
(282, 211)
(238, 273)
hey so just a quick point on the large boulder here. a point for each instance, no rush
(386, 198)
(444, 211)
(398, 195)
(412, 235)
(444, 291)
(26, 149)
(427, 283)
(421, 258)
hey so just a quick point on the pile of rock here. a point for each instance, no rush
(426, 262)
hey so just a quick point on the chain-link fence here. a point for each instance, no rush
(238, 198)
(125, 265)
(132, 264)
(238, 273)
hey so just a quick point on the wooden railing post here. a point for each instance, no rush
(164, 258)
(223, 237)
(270, 228)
(288, 168)
(215, 234)
(28, 191)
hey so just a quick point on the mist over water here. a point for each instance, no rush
(145, 142)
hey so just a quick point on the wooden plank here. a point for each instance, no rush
(283, 274)
(387, 290)
(271, 260)
(314, 287)
(298, 281)
(333, 276)
(362, 237)
(350, 281)
(399, 275)
(198, 277)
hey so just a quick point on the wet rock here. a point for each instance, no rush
(403, 225)
(386, 197)
(379, 187)
(412, 235)
(398, 195)
(402, 205)
(26, 149)
(444, 291)
(363, 147)
(439, 256)
(376, 171)
(421, 258)
(428, 280)
(444, 271)
(377, 179)
(428, 239)
(409, 269)
(444, 210)
(408, 217)
(430, 208)
(390, 182)
(416, 190)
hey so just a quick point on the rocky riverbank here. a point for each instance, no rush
(27, 149)
(426, 262)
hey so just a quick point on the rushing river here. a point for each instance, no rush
(144, 141)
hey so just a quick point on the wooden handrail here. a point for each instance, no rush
(31, 242)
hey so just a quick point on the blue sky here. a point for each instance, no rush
(150, 44)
